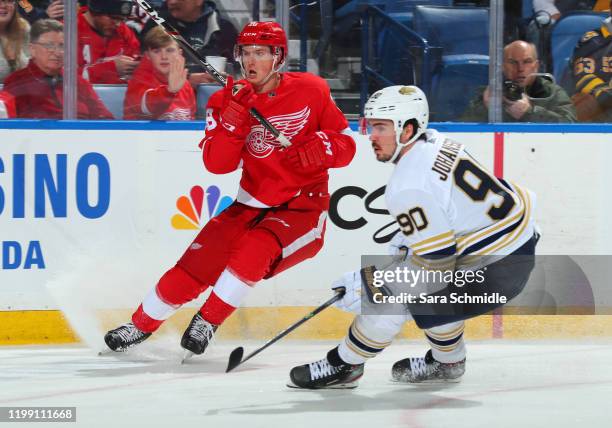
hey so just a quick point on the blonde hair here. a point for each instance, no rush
(157, 38)
(17, 37)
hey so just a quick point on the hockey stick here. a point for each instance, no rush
(172, 32)
(235, 358)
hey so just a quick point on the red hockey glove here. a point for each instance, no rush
(237, 100)
(314, 154)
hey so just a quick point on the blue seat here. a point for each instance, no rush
(462, 34)
(462, 30)
(396, 61)
(355, 7)
(112, 96)
(403, 10)
(203, 94)
(563, 39)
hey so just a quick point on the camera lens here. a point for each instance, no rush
(512, 90)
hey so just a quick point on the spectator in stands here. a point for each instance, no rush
(201, 24)
(592, 61)
(545, 14)
(528, 96)
(159, 88)
(7, 106)
(33, 10)
(38, 88)
(108, 51)
(14, 39)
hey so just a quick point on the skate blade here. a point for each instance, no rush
(109, 352)
(425, 382)
(187, 356)
(350, 385)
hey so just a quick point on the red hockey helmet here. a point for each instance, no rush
(264, 33)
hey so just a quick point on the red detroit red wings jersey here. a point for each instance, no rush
(148, 97)
(299, 107)
(95, 52)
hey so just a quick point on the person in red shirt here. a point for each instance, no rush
(278, 218)
(38, 88)
(108, 50)
(7, 106)
(159, 88)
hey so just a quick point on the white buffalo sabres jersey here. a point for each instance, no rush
(446, 203)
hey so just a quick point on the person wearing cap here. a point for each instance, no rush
(108, 50)
(203, 27)
(279, 216)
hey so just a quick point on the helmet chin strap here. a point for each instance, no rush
(399, 146)
(272, 72)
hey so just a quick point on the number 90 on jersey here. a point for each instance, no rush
(413, 220)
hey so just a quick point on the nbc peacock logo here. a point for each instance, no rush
(198, 207)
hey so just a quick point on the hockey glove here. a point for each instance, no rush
(314, 154)
(238, 98)
(398, 246)
(353, 284)
(350, 282)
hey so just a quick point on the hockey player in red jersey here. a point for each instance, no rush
(159, 89)
(278, 217)
(108, 49)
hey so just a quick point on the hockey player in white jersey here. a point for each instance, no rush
(446, 205)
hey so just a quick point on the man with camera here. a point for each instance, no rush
(528, 96)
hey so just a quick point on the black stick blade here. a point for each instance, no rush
(235, 359)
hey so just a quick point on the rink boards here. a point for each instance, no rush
(108, 207)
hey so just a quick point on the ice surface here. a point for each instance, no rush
(507, 384)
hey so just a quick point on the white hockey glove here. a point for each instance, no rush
(353, 283)
(398, 245)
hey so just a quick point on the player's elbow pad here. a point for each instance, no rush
(217, 168)
(220, 156)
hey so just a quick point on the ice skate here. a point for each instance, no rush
(322, 375)
(125, 337)
(427, 369)
(197, 336)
